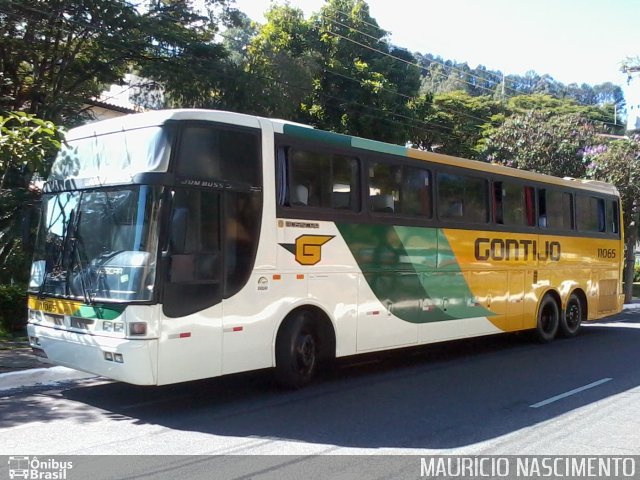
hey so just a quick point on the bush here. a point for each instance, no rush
(636, 273)
(13, 308)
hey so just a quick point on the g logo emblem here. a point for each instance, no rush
(309, 248)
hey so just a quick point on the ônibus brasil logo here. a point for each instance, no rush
(38, 469)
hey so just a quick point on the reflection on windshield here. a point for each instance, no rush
(97, 245)
(114, 157)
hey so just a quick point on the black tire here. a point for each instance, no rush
(572, 317)
(548, 320)
(297, 351)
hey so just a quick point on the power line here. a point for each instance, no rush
(161, 48)
(423, 68)
(414, 64)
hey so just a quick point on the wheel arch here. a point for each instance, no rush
(582, 296)
(323, 323)
(553, 293)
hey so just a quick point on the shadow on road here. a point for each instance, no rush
(436, 397)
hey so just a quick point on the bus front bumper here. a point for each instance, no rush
(130, 361)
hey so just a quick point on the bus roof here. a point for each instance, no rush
(159, 117)
(337, 139)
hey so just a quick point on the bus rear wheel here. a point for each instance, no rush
(297, 351)
(572, 317)
(548, 320)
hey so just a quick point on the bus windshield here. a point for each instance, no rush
(113, 157)
(97, 245)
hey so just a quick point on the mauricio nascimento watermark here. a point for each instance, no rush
(528, 466)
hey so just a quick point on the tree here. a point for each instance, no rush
(282, 63)
(56, 54)
(618, 162)
(366, 84)
(541, 142)
(455, 123)
(27, 147)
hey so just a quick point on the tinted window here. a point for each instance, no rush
(613, 218)
(462, 198)
(399, 189)
(209, 152)
(318, 179)
(555, 209)
(513, 204)
(590, 214)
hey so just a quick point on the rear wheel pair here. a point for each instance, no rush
(551, 321)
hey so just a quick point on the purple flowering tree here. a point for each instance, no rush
(618, 162)
(543, 142)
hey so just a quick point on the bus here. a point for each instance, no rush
(185, 244)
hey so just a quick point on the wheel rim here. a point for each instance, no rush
(305, 353)
(548, 319)
(573, 316)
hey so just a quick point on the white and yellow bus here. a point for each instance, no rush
(186, 244)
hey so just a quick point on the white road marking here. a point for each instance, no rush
(569, 393)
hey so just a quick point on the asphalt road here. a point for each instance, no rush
(497, 395)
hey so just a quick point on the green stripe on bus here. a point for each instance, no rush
(378, 146)
(100, 311)
(399, 265)
(318, 135)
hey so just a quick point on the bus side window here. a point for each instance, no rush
(542, 208)
(513, 204)
(463, 198)
(318, 179)
(590, 214)
(415, 192)
(555, 209)
(613, 218)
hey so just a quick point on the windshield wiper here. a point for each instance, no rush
(75, 238)
(86, 292)
(58, 265)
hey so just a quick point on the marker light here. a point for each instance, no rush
(138, 328)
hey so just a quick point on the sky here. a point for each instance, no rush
(574, 41)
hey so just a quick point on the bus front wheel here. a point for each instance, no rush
(548, 319)
(572, 317)
(297, 351)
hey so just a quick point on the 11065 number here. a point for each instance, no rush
(606, 253)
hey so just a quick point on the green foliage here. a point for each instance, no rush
(618, 162)
(361, 90)
(13, 308)
(441, 76)
(455, 123)
(541, 142)
(27, 147)
(58, 54)
(282, 62)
